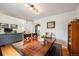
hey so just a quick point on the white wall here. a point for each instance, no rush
(23, 25)
(11, 20)
(61, 20)
(29, 27)
(77, 12)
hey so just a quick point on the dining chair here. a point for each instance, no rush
(55, 50)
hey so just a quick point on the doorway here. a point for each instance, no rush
(37, 28)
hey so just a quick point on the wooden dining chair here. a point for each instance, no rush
(35, 36)
(27, 38)
(55, 50)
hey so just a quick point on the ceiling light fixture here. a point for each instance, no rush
(33, 8)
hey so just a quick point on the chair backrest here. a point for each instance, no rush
(34, 35)
(27, 35)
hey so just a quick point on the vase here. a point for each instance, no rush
(45, 42)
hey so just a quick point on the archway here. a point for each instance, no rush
(37, 28)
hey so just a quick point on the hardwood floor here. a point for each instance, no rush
(65, 51)
(8, 50)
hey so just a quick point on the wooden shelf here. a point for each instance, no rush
(73, 37)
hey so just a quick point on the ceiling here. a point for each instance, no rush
(45, 9)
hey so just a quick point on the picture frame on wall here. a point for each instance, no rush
(4, 25)
(13, 26)
(51, 24)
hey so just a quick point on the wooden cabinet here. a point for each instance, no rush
(73, 37)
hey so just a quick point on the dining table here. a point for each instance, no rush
(37, 48)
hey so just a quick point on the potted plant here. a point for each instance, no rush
(44, 37)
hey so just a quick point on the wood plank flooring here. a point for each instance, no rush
(8, 50)
(65, 51)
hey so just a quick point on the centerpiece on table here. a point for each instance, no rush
(44, 38)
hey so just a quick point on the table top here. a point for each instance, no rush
(37, 48)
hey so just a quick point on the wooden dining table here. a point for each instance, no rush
(37, 48)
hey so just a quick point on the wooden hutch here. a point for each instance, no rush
(73, 37)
